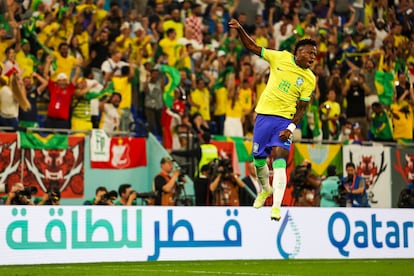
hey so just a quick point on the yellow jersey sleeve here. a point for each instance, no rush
(287, 84)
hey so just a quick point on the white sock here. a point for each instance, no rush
(279, 185)
(263, 177)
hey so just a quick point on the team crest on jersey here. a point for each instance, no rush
(255, 147)
(299, 81)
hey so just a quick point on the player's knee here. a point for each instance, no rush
(279, 164)
(258, 163)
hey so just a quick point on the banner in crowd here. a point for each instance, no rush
(402, 161)
(243, 148)
(81, 234)
(122, 153)
(321, 156)
(372, 163)
(43, 168)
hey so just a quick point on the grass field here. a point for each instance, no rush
(245, 267)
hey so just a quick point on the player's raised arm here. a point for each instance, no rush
(247, 41)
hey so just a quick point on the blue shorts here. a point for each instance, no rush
(266, 135)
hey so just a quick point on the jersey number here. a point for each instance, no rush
(284, 86)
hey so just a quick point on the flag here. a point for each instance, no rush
(28, 140)
(321, 156)
(385, 86)
(124, 153)
(243, 154)
(174, 79)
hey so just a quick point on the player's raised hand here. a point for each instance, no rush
(233, 23)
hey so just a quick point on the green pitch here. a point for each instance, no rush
(269, 267)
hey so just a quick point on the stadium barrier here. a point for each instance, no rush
(82, 234)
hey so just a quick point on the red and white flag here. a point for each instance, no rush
(124, 153)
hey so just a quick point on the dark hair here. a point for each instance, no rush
(304, 42)
(122, 188)
(100, 188)
(376, 105)
(350, 164)
(62, 44)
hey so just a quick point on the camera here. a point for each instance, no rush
(111, 195)
(221, 165)
(54, 195)
(22, 197)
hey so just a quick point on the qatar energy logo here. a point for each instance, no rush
(288, 247)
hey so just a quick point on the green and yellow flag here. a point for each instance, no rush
(174, 79)
(29, 140)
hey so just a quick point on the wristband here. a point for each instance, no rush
(291, 127)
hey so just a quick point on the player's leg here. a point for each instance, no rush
(279, 180)
(261, 138)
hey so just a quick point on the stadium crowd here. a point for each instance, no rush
(84, 64)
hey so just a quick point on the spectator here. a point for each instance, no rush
(112, 66)
(329, 189)
(65, 62)
(330, 111)
(127, 196)
(355, 188)
(200, 97)
(354, 92)
(381, 125)
(33, 91)
(153, 89)
(12, 96)
(60, 95)
(10, 66)
(110, 113)
(165, 183)
(356, 137)
(402, 121)
(194, 22)
(123, 84)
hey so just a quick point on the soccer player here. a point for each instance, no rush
(280, 108)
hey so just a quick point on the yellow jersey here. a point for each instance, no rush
(287, 83)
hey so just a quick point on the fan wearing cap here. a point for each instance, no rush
(165, 182)
(60, 95)
(124, 40)
(329, 188)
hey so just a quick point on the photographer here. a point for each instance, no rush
(305, 185)
(356, 194)
(127, 196)
(20, 195)
(52, 197)
(226, 184)
(329, 189)
(202, 184)
(102, 197)
(406, 198)
(164, 184)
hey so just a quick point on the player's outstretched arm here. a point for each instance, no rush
(247, 41)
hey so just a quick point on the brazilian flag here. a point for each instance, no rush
(173, 80)
(28, 140)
